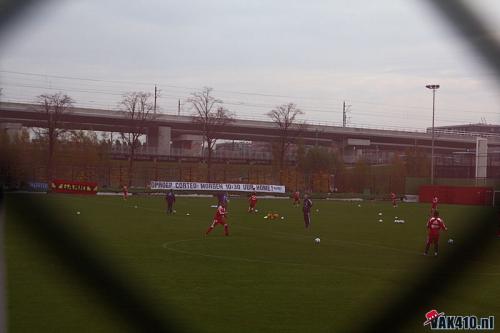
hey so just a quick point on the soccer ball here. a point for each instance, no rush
(381, 220)
(135, 206)
(77, 213)
(379, 214)
(187, 214)
(317, 240)
(256, 210)
(282, 217)
(450, 241)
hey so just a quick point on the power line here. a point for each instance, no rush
(396, 107)
(238, 103)
(107, 105)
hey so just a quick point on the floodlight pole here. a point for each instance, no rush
(434, 87)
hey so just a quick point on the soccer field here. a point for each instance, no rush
(267, 276)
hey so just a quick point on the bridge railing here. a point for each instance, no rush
(11, 106)
(448, 132)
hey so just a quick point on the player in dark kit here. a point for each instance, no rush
(434, 226)
(306, 208)
(170, 198)
(222, 199)
(219, 218)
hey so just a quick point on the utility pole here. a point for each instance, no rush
(345, 109)
(343, 115)
(154, 107)
(432, 149)
(433, 87)
(179, 108)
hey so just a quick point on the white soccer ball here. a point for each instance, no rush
(282, 217)
(77, 213)
(450, 241)
(135, 206)
(317, 240)
(187, 214)
(359, 205)
(381, 220)
(379, 214)
(317, 210)
(256, 210)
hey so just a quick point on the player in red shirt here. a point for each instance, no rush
(393, 198)
(434, 226)
(296, 198)
(219, 218)
(125, 192)
(252, 201)
(434, 204)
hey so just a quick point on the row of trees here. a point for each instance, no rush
(212, 117)
(138, 108)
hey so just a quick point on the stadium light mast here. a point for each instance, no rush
(434, 87)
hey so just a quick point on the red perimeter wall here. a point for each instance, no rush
(461, 195)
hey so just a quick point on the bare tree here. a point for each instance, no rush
(211, 116)
(284, 116)
(53, 107)
(138, 110)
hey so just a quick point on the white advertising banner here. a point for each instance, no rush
(192, 186)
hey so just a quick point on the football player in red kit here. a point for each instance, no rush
(252, 202)
(393, 198)
(296, 198)
(125, 192)
(434, 226)
(219, 218)
(434, 204)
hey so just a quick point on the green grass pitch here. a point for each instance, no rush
(267, 276)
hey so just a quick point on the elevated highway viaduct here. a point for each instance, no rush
(166, 129)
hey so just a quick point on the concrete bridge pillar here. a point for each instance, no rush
(158, 139)
(481, 157)
(13, 130)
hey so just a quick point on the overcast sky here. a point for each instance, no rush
(375, 55)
